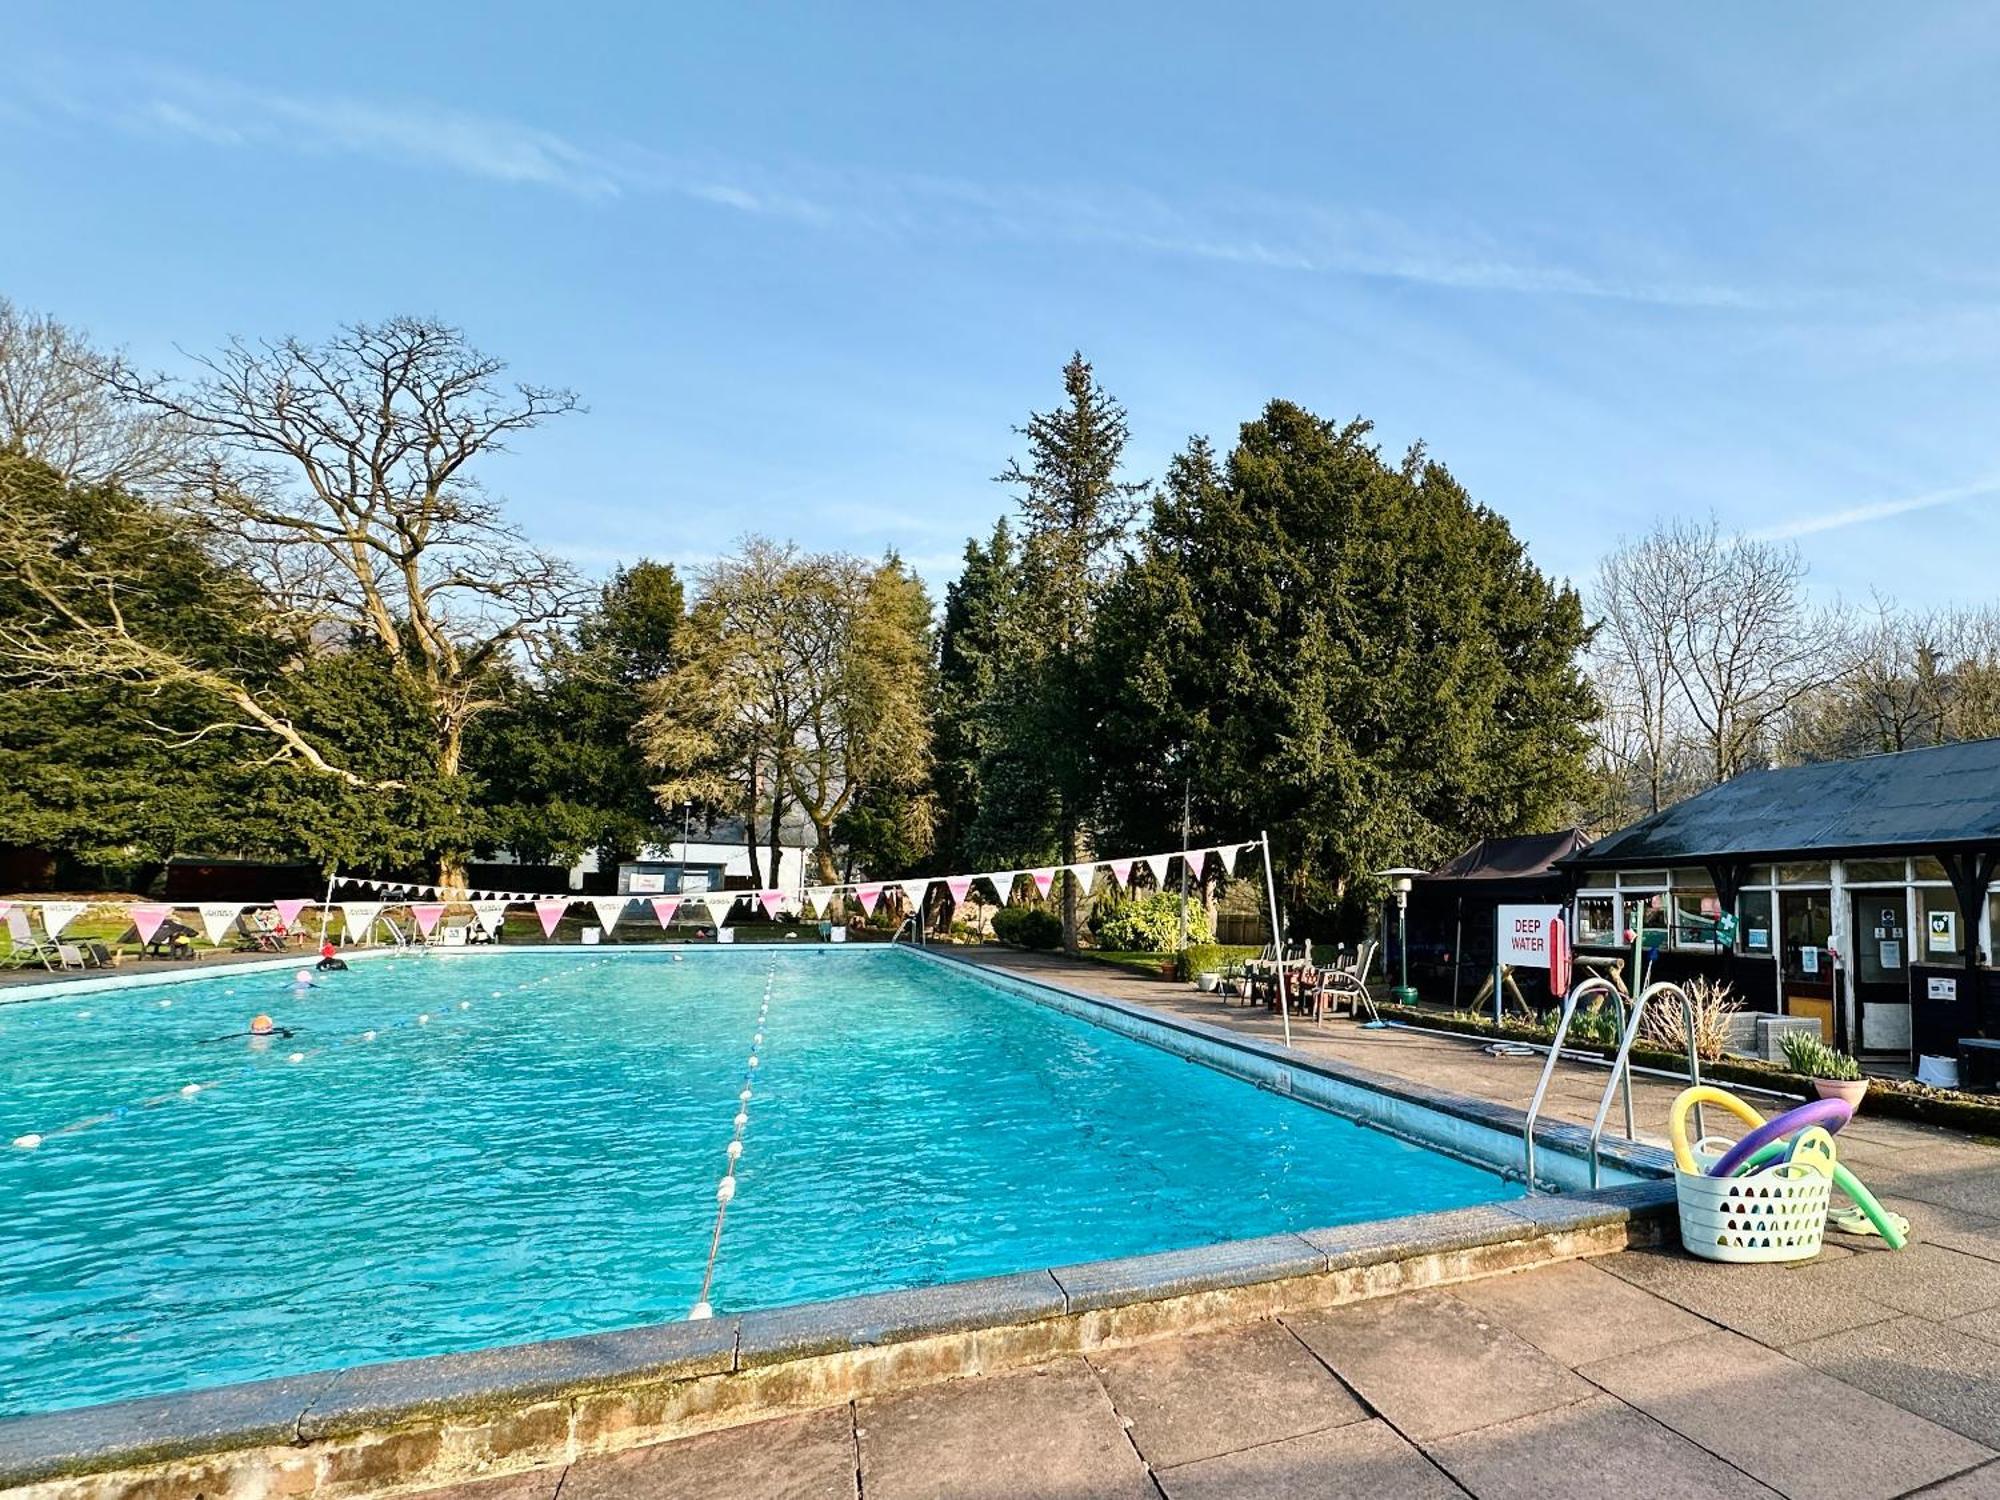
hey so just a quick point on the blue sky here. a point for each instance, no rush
(807, 264)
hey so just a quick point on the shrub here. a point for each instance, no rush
(1713, 1005)
(1152, 924)
(1201, 958)
(1027, 926)
(1807, 1054)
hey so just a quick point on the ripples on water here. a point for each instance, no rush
(543, 1162)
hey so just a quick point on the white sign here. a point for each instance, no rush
(1944, 931)
(1808, 960)
(1524, 935)
(642, 884)
(1943, 989)
(1891, 954)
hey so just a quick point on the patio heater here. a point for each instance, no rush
(1400, 879)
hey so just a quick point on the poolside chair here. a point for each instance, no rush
(72, 956)
(257, 936)
(27, 950)
(1345, 984)
(171, 939)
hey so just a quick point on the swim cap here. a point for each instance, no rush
(261, 1026)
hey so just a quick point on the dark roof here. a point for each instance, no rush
(1946, 795)
(1521, 858)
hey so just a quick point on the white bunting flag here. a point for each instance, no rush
(1121, 871)
(609, 909)
(868, 896)
(56, 915)
(359, 917)
(1043, 878)
(960, 887)
(428, 915)
(1086, 877)
(818, 897)
(1158, 863)
(489, 915)
(149, 920)
(718, 904)
(216, 917)
(664, 908)
(551, 910)
(770, 901)
(1003, 885)
(913, 891)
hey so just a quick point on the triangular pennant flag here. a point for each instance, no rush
(215, 918)
(148, 920)
(960, 887)
(770, 901)
(608, 909)
(359, 917)
(868, 896)
(664, 908)
(551, 911)
(914, 891)
(1158, 863)
(718, 905)
(1043, 878)
(1086, 877)
(1003, 885)
(1196, 861)
(428, 914)
(819, 897)
(289, 909)
(56, 915)
(489, 914)
(1121, 871)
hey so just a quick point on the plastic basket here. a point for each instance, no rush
(1778, 1214)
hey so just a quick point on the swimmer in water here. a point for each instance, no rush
(329, 961)
(263, 1028)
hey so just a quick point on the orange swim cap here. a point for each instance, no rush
(261, 1026)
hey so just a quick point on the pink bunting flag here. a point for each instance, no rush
(1043, 880)
(1121, 871)
(427, 914)
(551, 912)
(288, 911)
(868, 896)
(147, 919)
(960, 887)
(664, 908)
(770, 901)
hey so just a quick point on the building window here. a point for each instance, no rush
(1928, 869)
(1940, 929)
(1596, 921)
(1695, 914)
(1818, 874)
(1753, 922)
(1876, 872)
(1646, 912)
(1601, 880)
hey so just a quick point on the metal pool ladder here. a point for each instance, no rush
(1621, 1065)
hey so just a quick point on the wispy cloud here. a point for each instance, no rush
(1878, 510)
(1279, 234)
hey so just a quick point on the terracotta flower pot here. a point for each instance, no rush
(1850, 1089)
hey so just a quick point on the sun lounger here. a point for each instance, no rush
(27, 950)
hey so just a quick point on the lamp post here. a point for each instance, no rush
(681, 875)
(1400, 879)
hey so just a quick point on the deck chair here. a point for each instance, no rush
(27, 950)
(253, 937)
(72, 956)
(1346, 985)
(170, 940)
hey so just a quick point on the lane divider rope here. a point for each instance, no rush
(725, 1190)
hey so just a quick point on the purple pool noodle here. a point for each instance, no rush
(1832, 1113)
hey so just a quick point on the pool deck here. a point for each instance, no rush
(1862, 1374)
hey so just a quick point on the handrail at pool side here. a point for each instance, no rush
(1570, 1003)
(1623, 1063)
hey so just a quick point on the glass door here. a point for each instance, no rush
(1881, 969)
(1807, 971)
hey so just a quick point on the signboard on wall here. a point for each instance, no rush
(1944, 931)
(1942, 989)
(643, 884)
(1525, 935)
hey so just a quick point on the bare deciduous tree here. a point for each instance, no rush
(339, 475)
(56, 407)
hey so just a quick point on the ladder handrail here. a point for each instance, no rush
(907, 922)
(1585, 987)
(1623, 1063)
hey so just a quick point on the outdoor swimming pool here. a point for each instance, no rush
(539, 1156)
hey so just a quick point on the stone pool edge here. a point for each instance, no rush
(441, 1418)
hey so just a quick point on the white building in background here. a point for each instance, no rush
(677, 868)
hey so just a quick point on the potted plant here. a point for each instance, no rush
(1208, 981)
(1834, 1074)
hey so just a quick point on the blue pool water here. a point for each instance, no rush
(540, 1157)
